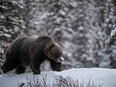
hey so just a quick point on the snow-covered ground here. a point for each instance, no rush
(104, 77)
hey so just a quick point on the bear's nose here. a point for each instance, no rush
(61, 59)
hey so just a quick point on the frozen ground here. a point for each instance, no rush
(104, 77)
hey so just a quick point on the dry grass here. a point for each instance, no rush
(58, 82)
(65, 82)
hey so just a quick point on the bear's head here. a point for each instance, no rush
(55, 52)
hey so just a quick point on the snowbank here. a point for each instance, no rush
(104, 77)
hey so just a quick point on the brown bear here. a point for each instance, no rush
(27, 51)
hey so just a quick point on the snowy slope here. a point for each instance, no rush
(104, 77)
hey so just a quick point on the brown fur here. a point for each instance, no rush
(32, 52)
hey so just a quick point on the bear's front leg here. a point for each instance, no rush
(56, 66)
(35, 68)
(35, 63)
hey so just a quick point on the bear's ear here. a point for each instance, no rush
(50, 47)
(49, 50)
(60, 44)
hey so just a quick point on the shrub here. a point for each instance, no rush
(58, 82)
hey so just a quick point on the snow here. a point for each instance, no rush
(103, 77)
(113, 33)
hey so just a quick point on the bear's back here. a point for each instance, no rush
(19, 47)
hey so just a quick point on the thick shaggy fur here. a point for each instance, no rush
(26, 51)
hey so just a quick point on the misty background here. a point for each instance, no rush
(83, 28)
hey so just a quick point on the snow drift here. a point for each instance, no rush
(100, 76)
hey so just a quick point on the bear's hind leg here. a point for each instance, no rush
(8, 66)
(20, 69)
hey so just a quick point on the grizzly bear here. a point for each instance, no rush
(27, 51)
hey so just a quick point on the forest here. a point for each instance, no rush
(83, 27)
